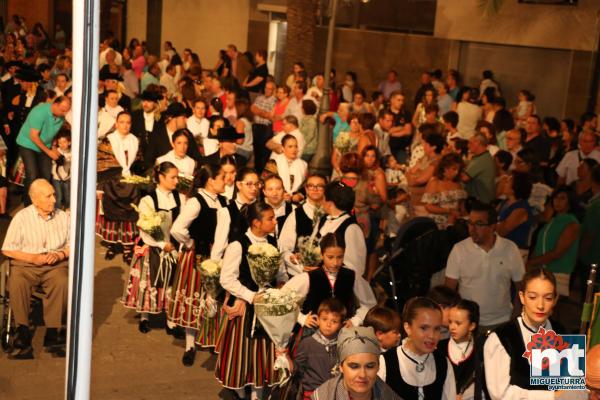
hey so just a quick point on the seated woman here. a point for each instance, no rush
(507, 372)
(526, 161)
(368, 136)
(558, 241)
(515, 215)
(347, 143)
(503, 161)
(291, 168)
(116, 218)
(444, 195)
(358, 350)
(341, 118)
(583, 184)
(419, 175)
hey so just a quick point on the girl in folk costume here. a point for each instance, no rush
(291, 168)
(230, 168)
(507, 372)
(464, 350)
(108, 114)
(332, 279)
(185, 164)
(194, 228)
(414, 370)
(116, 218)
(302, 222)
(231, 221)
(155, 255)
(274, 196)
(246, 357)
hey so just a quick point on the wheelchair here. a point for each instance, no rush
(8, 327)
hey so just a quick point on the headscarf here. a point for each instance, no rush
(357, 340)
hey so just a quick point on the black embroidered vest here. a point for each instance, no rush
(320, 289)
(202, 229)
(394, 379)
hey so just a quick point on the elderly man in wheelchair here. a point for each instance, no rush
(37, 244)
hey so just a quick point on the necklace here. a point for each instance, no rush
(530, 329)
(419, 366)
(464, 352)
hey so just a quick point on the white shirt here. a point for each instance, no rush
(423, 378)
(149, 121)
(30, 233)
(295, 133)
(294, 108)
(498, 377)
(106, 120)
(125, 149)
(292, 173)
(362, 291)
(222, 232)
(198, 127)
(567, 168)
(166, 201)
(185, 165)
(288, 238)
(485, 277)
(189, 212)
(468, 115)
(230, 272)
(229, 189)
(102, 58)
(279, 212)
(355, 255)
(457, 352)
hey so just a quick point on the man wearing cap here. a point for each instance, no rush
(35, 140)
(160, 142)
(144, 121)
(358, 357)
(111, 82)
(227, 137)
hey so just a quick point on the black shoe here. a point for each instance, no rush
(51, 337)
(177, 332)
(22, 354)
(144, 326)
(110, 254)
(58, 352)
(23, 338)
(188, 357)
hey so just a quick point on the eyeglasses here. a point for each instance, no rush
(478, 224)
(315, 187)
(250, 185)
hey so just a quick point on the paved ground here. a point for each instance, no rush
(125, 363)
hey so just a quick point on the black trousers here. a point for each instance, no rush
(37, 165)
(260, 135)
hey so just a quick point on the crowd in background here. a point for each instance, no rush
(228, 153)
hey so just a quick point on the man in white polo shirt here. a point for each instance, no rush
(567, 168)
(482, 267)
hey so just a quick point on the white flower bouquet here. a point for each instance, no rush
(310, 251)
(210, 271)
(343, 143)
(137, 180)
(152, 223)
(277, 311)
(264, 260)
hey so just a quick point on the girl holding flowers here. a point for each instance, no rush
(155, 252)
(246, 354)
(194, 229)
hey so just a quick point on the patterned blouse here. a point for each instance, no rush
(449, 199)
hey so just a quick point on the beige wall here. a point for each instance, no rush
(136, 19)
(205, 26)
(560, 27)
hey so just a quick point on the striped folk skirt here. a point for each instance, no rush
(244, 361)
(150, 279)
(186, 293)
(123, 232)
(211, 329)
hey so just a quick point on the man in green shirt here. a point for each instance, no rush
(480, 175)
(589, 252)
(35, 140)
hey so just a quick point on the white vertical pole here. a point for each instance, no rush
(83, 193)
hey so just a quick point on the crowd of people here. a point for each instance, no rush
(222, 156)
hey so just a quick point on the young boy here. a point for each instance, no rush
(446, 298)
(61, 170)
(317, 354)
(386, 324)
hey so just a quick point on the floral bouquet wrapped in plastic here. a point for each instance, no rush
(210, 270)
(310, 251)
(137, 180)
(277, 311)
(152, 222)
(184, 183)
(264, 261)
(343, 143)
